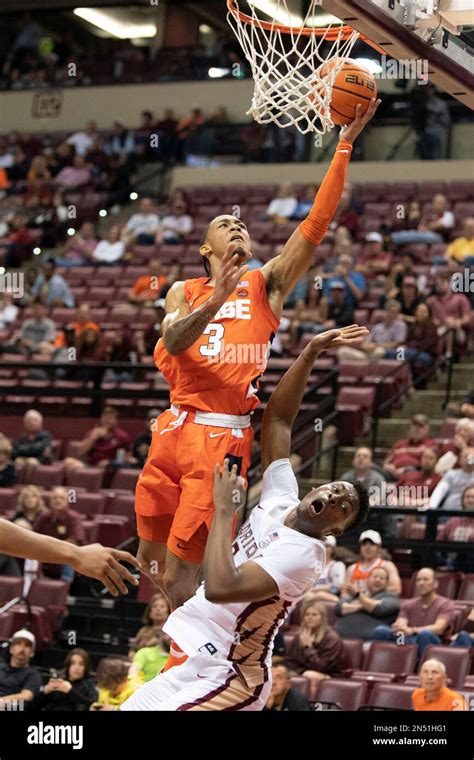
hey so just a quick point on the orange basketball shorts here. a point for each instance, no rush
(173, 499)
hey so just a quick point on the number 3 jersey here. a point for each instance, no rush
(242, 633)
(219, 372)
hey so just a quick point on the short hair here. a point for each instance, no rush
(50, 261)
(282, 667)
(205, 260)
(381, 567)
(114, 672)
(364, 505)
(110, 410)
(438, 662)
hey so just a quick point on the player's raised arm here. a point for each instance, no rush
(285, 400)
(182, 327)
(283, 272)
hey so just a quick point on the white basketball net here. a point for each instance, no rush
(293, 81)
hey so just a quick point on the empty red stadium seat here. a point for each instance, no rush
(393, 696)
(51, 595)
(302, 684)
(466, 589)
(123, 505)
(47, 475)
(89, 504)
(352, 652)
(354, 406)
(10, 588)
(35, 619)
(387, 657)
(456, 659)
(345, 693)
(88, 477)
(8, 499)
(6, 626)
(110, 530)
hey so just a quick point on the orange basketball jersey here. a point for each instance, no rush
(219, 372)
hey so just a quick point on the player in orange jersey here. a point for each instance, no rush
(215, 338)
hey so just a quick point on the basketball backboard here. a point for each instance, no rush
(438, 31)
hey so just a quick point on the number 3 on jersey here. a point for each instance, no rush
(213, 347)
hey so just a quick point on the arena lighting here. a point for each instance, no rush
(205, 29)
(373, 66)
(71, 231)
(2, 270)
(292, 19)
(113, 26)
(216, 73)
(103, 212)
(37, 251)
(133, 196)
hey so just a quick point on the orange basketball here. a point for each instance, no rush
(353, 84)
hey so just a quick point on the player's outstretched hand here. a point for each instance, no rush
(228, 492)
(353, 130)
(229, 274)
(104, 564)
(346, 336)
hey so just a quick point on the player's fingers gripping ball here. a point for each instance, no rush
(353, 85)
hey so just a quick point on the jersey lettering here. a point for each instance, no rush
(235, 310)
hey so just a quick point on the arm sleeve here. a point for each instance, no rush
(32, 682)
(440, 492)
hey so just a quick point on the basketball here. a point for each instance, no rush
(353, 84)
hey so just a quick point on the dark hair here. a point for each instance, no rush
(114, 672)
(50, 261)
(85, 658)
(205, 260)
(364, 505)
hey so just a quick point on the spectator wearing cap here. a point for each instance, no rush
(374, 260)
(406, 454)
(102, 442)
(142, 443)
(416, 486)
(450, 310)
(360, 612)
(146, 289)
(461, 249)
(448, 492)
(283, 697)
(370, 546)
(111, 250)
(59, 521)
(329, 583)
(77, 250)
(422, 620)
(390, 334)
(34, 444)
(51, 288)
(433, 694)
(142, 227)
(336, 311)
(176, 225)
(18, 680)
(353, 281)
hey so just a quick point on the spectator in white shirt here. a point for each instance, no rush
(7, 157)
(283, 206)
(440, 220)
(110, 250)
(8, 310)
(83, 140)
(448, 493)
(141, 228)
(174, 226)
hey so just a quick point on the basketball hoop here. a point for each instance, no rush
(293, 81)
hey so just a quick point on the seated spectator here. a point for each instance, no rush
(75, 691)
(36, 335)
(142, 227)
(147, 340)
(449, 491)
(370, 545)
(33, 445)
(363, 471)
(29, 505)
(83, 321)
(467, 405)
(176, 225)
(110, 250)
(115, 686)
(463, 436)
(346, 215)
(329, 583)
(283, 697)
(361, 612)
(450, 310)
(465, 638)
(121, 348)
(146, 289)
(142, 443)
(405, 455)
(462, 248)
(101, 444)
(59, 521)
(8, 311)
(38, 175)
(354, 282)
(399, 271)
(17, 243)
(7, 467)
(434, 227)
(415, 487)
(433, 694)
(74, 177)
(461, 528)
(317, 651)
(337, 310)
(150, 660)
(374, 259)
(423, 620)
(121, 144)
(384, 338)
(409, 298)
(82, 140)
(89, 347)
(305, 204)
(422, 342)
(78, 249)
(18, 679)
(143, 134)
(155, 616)
(281, 208)
(51, 288)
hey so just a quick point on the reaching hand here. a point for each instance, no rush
(228, 491)
(229, 275)
(346, 336)
(353, 130)
(103, 563)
